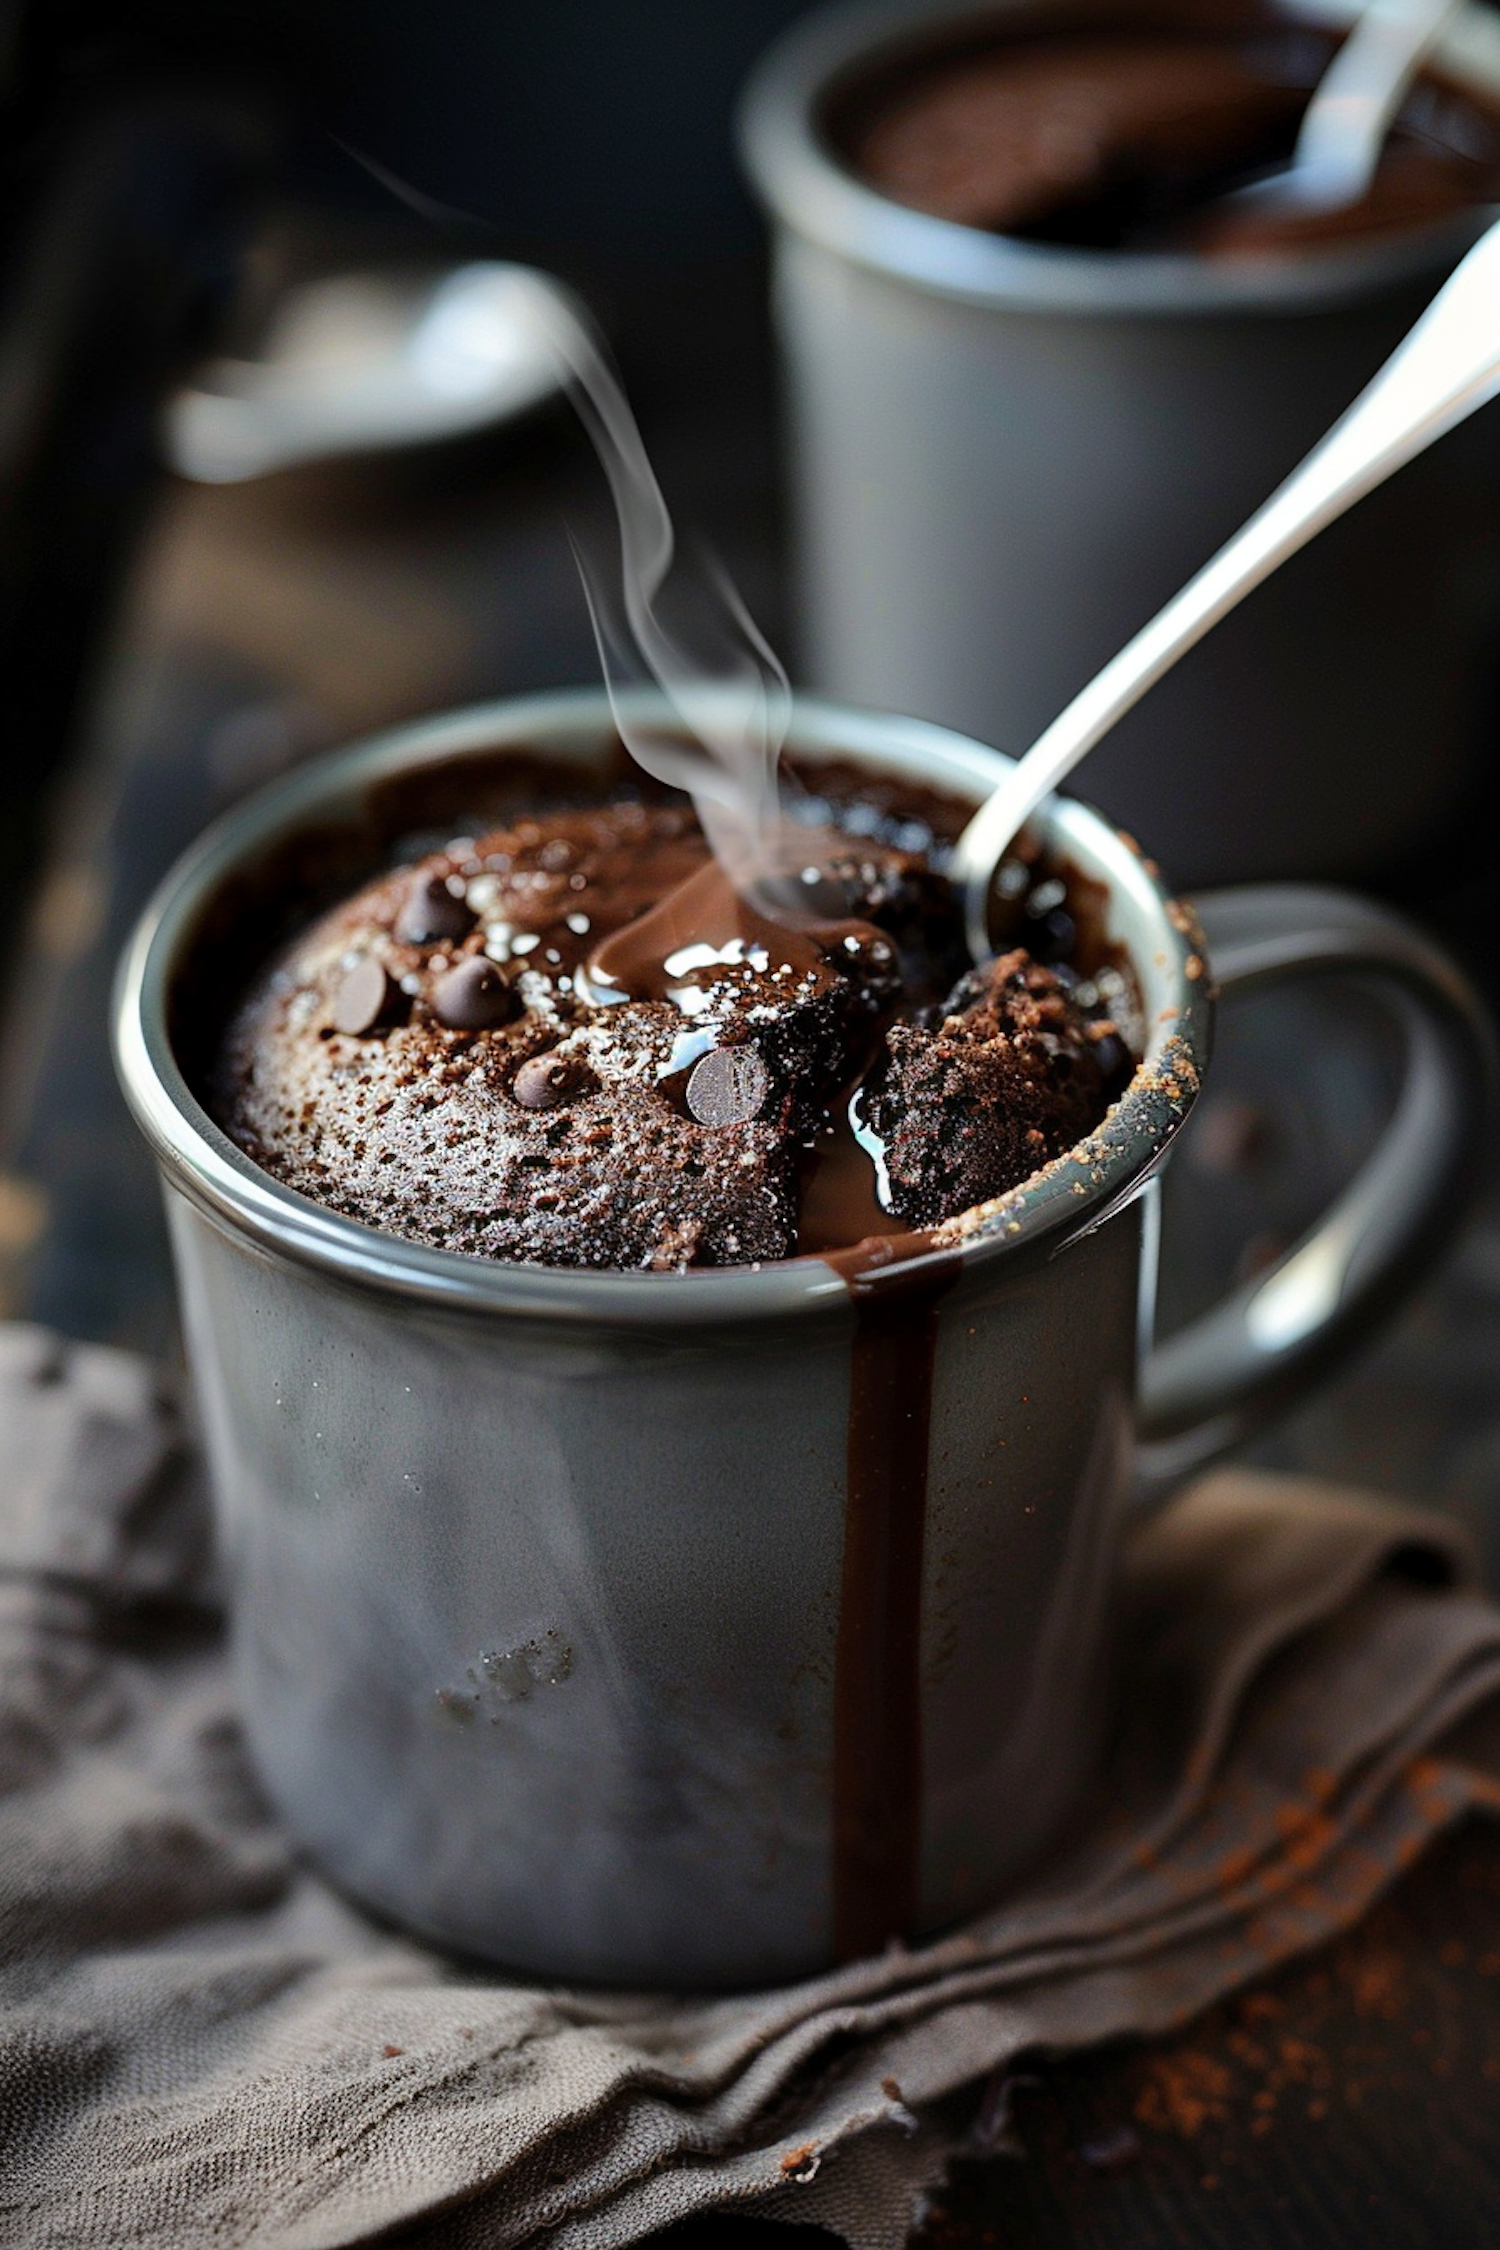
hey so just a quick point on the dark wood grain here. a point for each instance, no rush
(1351, 2102)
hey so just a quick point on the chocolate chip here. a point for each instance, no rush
(728, 1087)
(475, 997)
(546, 1081)
(366, 1000)
(430, 912)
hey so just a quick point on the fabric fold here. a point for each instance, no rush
(201, 2041)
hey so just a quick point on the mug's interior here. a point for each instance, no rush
(272, 893)
(916, 117)
(270, 866)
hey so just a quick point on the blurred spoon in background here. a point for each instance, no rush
(371, 362)
(1352, 109)
(1447, 366)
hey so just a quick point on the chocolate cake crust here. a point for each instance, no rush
(570, 1042)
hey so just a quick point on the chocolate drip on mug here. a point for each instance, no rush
(877, 1696)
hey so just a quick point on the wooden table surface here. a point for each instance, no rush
(1351, 2100)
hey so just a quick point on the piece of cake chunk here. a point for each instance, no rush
(1012, 1075)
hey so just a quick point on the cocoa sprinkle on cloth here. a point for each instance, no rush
(202, 2043)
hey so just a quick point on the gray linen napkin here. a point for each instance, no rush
(201, 2043)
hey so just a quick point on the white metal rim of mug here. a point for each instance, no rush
(808, 190)
(1072, 1196)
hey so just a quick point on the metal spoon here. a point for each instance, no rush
(1442, 371)
(1346, 122)
(370, 362)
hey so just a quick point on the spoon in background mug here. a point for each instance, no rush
(1446, 367)
(1352, 109)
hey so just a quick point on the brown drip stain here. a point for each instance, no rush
(877, 1701)
(896, 1283)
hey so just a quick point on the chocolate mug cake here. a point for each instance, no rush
(1135, 135)
(570, 1040)
(693, 1628)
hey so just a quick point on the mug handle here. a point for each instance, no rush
(1251, 1356)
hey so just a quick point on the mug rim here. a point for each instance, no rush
(1069, 1197)
(804, 186)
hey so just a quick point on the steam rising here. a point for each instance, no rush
(726, 685)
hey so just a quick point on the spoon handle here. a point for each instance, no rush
(1446, 367)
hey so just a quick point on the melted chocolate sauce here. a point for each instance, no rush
(705, 924)
(877, 1699)
(840, 1206)
(700, 929)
